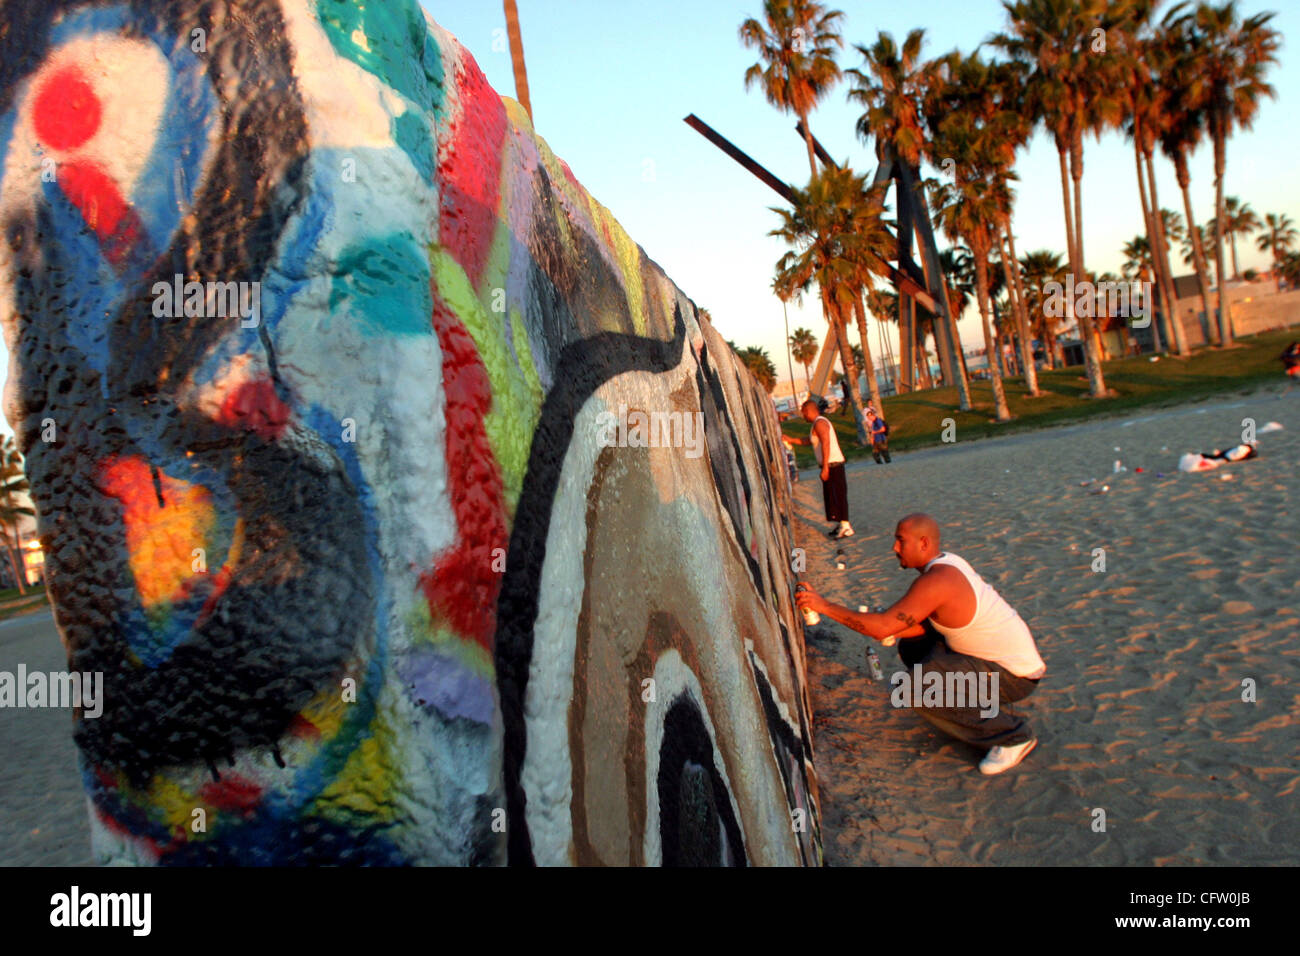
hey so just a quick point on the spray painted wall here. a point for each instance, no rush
(331, 381)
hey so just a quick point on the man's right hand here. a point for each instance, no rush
(826, 474)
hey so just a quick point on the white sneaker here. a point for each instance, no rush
(999, 759)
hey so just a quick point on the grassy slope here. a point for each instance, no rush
(916, 419)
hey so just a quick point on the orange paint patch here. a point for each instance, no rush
(160, 539)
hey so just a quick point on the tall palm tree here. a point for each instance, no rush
(14, 491)
(1134, 71)
(1172, 57)
(891, 87)
(841, 242)
(973, 206)
(1279, 236)
(803, 344)
(1232, 56)
(796, 42)
(1053, 40)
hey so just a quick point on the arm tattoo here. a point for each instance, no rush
(906, 619)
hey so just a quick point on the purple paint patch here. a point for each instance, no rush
(437, 681)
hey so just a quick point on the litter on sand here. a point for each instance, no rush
(1216, 459)
(1270, 427)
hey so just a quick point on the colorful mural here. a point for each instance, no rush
(314, 351)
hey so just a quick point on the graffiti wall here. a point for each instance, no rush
(408, 509)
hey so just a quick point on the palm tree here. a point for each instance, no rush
(1232, 57)
(1279, 236)
(14, 490)
(796, 42)
(1133, 72)
(803, 344)
(973, 206)
(1183, 95)
(1137, 258)
(1053, 40)
(1241, 221)
(1039, 268)
(891, 87)
(840, 242)
(760, 365)
(1289, 269)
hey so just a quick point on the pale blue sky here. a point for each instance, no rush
(611, 82)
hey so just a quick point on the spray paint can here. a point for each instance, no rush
(810, 617)
(877, 672)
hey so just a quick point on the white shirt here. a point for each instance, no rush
(835, 455)
(996, 632)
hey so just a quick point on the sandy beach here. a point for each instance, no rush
(1141, 711)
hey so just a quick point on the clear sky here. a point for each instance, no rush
(611, 80)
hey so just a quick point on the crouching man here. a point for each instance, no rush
(951, 621)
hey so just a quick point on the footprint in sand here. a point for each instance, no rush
(1238, 607)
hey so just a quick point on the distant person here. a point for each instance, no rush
(1291, 359)
(830, 459)
(965, 627)
(878, 429)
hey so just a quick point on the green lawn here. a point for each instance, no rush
(916, 419)
(12, 603)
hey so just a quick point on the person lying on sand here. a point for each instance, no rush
(953, 622)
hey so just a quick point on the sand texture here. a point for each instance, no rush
(1141, 712)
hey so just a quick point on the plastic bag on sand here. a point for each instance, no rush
(1271, 427)
(1194, 462)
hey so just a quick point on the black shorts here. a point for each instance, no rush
(835, 494)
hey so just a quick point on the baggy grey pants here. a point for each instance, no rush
(1005, 729)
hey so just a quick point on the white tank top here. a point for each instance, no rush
(835, 455)
(996, 632)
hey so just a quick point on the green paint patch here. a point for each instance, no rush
(392, 40)
(384, 283)
(515, 405)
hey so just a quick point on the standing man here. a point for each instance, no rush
(835, 490)
(879, 432)
(978, 634)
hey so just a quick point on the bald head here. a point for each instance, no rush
(917, 540)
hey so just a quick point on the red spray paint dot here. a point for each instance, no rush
(67, 111)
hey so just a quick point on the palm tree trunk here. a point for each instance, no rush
(517, 58)
(1174, 334)
(20, 578)
(1161, 287)
(850, 371)
(807, 377)
(1220, 213)
(1194, 232)
(808, 141)
(1091, 348)
(959, 358)
(860, 313)
(1017, 293)
(982, 291)
(1232, 238)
